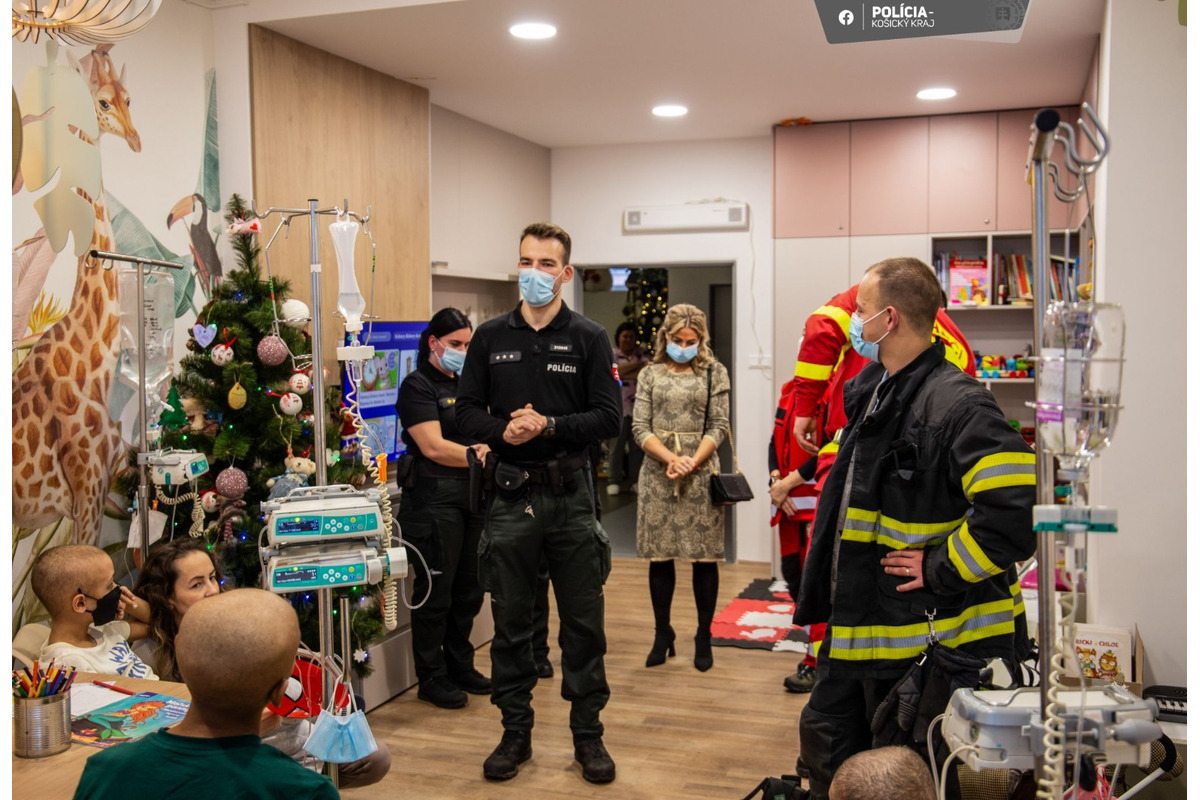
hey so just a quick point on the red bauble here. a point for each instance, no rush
(272, 351)
(232, 483)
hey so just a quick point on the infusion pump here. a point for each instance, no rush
(328, 537)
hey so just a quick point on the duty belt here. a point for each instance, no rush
(543, 471)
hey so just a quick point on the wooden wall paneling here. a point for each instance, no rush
(962, 173)
(889, 176)
(812, 180)
(330, 129)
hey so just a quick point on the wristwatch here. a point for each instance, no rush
(550, 428)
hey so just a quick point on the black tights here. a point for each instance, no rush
(705, 582)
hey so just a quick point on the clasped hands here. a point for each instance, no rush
(680, 465)
(524, 425)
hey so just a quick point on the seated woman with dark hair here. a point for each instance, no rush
(177, 575)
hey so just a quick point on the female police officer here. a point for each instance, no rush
(435, 516)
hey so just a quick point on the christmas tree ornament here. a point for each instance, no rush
(299, 383)
(237, 396)
(210, 501)
(272, 351)
(294, 313)
(232, 483)
(204, 334)
(290, 404)
(221, 355)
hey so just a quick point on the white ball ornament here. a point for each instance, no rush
(290, 404)
(294, 313)
(299, 383)
(210, 501)
(221, 355)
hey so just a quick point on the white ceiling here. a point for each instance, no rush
(740, 65)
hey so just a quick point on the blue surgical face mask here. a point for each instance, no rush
(341, 739)
(682, 355)
(452, 360)
(537, 287)
(868, 350)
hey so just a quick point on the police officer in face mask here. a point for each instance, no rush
(436, 517)
(538, 387)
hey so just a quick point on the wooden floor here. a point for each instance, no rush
(672, 731)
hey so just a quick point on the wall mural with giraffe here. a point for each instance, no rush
(85, 146)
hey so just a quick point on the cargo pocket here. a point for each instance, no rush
(603, 553)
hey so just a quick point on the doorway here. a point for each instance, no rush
(706, 286)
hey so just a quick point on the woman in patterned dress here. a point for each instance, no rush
(676, 518)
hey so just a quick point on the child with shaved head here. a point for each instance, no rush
(88, 629)
(235, 653)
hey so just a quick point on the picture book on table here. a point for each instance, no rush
(127, 719)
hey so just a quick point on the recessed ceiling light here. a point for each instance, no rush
(533, 30)
(936, 94)
(670, 111)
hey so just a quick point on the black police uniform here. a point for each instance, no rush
(435, 518)
(566, 372)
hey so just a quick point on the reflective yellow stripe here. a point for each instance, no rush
(1000, 470)
(813, 372)
(1018, 599)
(870, 527)
(839, 315)
(829, 448)
(875, 642)
(968, 557)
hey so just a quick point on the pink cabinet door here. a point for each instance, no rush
(812, 180)
(889, 176)
(1014, 209)
(962, 173)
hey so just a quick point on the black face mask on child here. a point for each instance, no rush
(106, 607)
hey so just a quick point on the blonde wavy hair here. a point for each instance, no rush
(678, 317)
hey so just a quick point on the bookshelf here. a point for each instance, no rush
(1005, 329)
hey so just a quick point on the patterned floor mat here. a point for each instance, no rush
(760, 618)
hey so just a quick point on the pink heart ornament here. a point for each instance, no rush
(204, 334)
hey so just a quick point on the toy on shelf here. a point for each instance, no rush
(1001, 367)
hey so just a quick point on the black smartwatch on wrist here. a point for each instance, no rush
(550, 428)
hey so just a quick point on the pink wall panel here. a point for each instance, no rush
(889, 176)
(812, 180)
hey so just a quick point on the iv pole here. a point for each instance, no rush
(324, 596)
(143, 424)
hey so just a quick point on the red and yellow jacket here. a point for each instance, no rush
(826, 360)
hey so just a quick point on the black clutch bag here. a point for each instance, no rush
(727, 488)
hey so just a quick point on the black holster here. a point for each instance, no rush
(475, 501)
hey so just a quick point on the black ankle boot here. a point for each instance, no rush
(704, 659)
(664, 645)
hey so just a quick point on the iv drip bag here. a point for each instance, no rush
(350, 301)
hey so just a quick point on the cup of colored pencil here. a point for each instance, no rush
(42, 710)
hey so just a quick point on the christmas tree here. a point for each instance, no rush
(646, 304)
(246, 386)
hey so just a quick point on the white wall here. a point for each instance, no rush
(485, 187)
(590, 188)
(1139, 576)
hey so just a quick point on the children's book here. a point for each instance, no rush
(969, 285)
(127, 719)
(1103, 652)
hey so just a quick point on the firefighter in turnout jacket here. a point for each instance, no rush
(928, 508)
(825, 363)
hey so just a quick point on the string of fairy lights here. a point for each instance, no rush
(646, 304)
